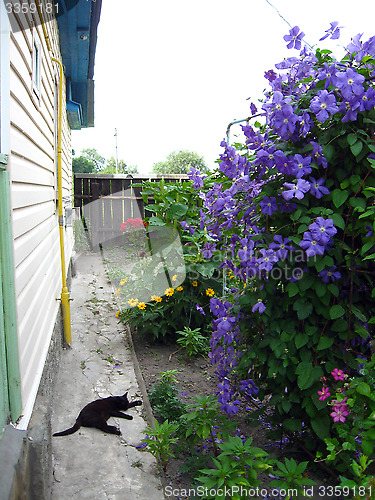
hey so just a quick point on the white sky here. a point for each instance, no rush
(171, 74)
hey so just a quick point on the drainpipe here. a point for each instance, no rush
(65, 304)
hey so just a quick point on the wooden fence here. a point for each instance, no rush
(107, 200)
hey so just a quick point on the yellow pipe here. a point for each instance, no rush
(65, 304)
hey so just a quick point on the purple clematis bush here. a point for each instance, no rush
(292, 210)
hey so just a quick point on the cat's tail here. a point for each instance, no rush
(72, 430)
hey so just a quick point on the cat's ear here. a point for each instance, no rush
(125, 395)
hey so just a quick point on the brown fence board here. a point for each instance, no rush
(115, 200)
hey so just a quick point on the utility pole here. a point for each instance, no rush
(116, 151)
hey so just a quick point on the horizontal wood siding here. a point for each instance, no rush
(33, 172)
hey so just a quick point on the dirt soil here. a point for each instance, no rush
(196, 378)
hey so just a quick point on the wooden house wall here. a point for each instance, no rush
(33, 171)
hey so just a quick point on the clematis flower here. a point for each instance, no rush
(340, 410)
(200, 310)
(324, 393)
(338, 374)
(326, 275)
(281, 246)
(350, 82)
(294, 38)
(317, 189)
(333, 32)
(268, 205)
(323, 105)
(259, 306)
(267, 259)
(300, 166)
(323, 229)
(311, 245)
(295, 190)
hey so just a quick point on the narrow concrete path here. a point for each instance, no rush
(91, 464)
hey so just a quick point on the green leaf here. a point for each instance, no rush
(177, 210)
(303, 308)
(352, 139)
(292, 424)
(301, 339)
(321, 426)
(372, 256)
(336, 312)
(156, 221)
(367, 447)
(356, 148)
(292, 289)
(338, 221)
(339, 197)
(324, 343)
(363, 388)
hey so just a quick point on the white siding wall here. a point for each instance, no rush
(33, 171)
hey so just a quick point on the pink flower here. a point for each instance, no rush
(338, 374)
(340, 411)
(324, 393)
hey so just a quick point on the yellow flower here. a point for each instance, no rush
(174, 278)
(195, 283)
(118, 291)
(132, 302)
(179, 288)
(169, 292)
(141, 305)
(156, 298)
(117, 314)
(210, 292)
(122, 282)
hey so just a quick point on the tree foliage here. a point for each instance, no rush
(180, 162)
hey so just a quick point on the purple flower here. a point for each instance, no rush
(326, 275)
(350, 82)
(200, 309)
(231, 408)
(317, 189)
(281, 246)
(305, 124)
(300, 166)
(294, 38)
(248, 387)
(311, 245)
(267, 259)
(224, 391)
(296, 190)
(317, 154)
(259, 306)
(350, 109)
(367, 100)
(268, 205)
(217, 307)
(327, 73)
(285, 121)
(323, 104)
(369, 229)
(208, 250)
(246, 250)
(333, 32)
(323, 230)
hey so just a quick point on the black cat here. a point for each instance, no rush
(97, 413)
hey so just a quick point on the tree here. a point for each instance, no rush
(83, 165)
(180, 162)
(93, 156)
(122, 167)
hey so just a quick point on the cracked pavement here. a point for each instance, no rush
(92, 464)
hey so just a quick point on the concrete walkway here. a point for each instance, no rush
(91, 464)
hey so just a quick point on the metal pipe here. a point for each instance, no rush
(65, 301)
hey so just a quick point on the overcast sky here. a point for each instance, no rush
(172, 74)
